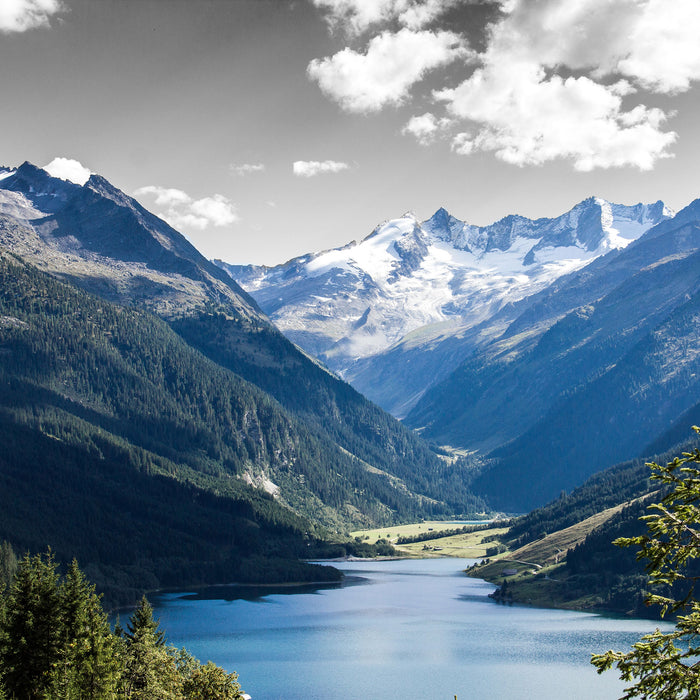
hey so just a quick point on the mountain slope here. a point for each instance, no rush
(97, 238)
(591, 371)
(396, 312)
(127, 449)
(593, 572)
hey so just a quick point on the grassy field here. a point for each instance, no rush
(469, 545)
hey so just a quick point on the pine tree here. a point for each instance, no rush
(667, 665)
(30, 638)
(141, 624)
(87, 667)
(150, 670)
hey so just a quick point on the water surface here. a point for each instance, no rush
(396, 629)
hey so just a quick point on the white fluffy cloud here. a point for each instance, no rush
(183, 212)
(68, 169)
(247, 168)
(385, 72)
(356, 16)
(426, 127)
(22, 15)
(310, 168)
(572, 80)
(664, 46)
(526, 118)
(654, 43)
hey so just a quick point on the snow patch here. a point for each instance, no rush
(408, 276)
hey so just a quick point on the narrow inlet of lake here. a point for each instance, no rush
(413, 628)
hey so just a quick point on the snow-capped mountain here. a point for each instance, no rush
(94, 235)
(424, 290)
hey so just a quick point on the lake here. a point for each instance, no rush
(396, 629)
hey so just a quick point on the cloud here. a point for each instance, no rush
(217, 210)
(384, 74)
(664, 51)
(527, 118)
(68, 169)
(183, 212)
(426, 127)
(528, 115)
(164, 196)
(22, 15)
(247, 168)
(555, 80)
(651, 42)
(310, 168)
(356, 16)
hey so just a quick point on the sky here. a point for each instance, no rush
(267, 129)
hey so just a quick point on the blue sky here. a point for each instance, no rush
(265, 129)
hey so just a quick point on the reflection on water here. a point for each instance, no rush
(258, 593)
(416, 629)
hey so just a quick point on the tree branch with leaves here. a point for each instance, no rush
(666, 665)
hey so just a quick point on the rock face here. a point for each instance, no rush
(98, 237)
(398, 311)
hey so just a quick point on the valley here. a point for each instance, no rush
(153, 366)
(525, 329)
(357, 342)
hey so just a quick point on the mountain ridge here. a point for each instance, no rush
(95, 237)
(358, 306)
(610, 349)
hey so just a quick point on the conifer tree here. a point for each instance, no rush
(87, 666)
(150, 671)
(30, 638)
(210, 681)
(56, 644)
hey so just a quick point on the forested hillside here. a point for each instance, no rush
(126, 449)
(591, 371)
(129, 450)
(594, 573)
(337, 413)
(99, 239)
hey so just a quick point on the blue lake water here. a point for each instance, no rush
(396, 629)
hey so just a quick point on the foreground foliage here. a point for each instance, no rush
(56, 643)
(667, 665)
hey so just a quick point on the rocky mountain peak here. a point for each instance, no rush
(98, 236)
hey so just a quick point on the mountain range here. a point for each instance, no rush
(530, 353)
(396, 312)
(553, 348)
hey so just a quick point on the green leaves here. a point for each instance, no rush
(667, 665)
